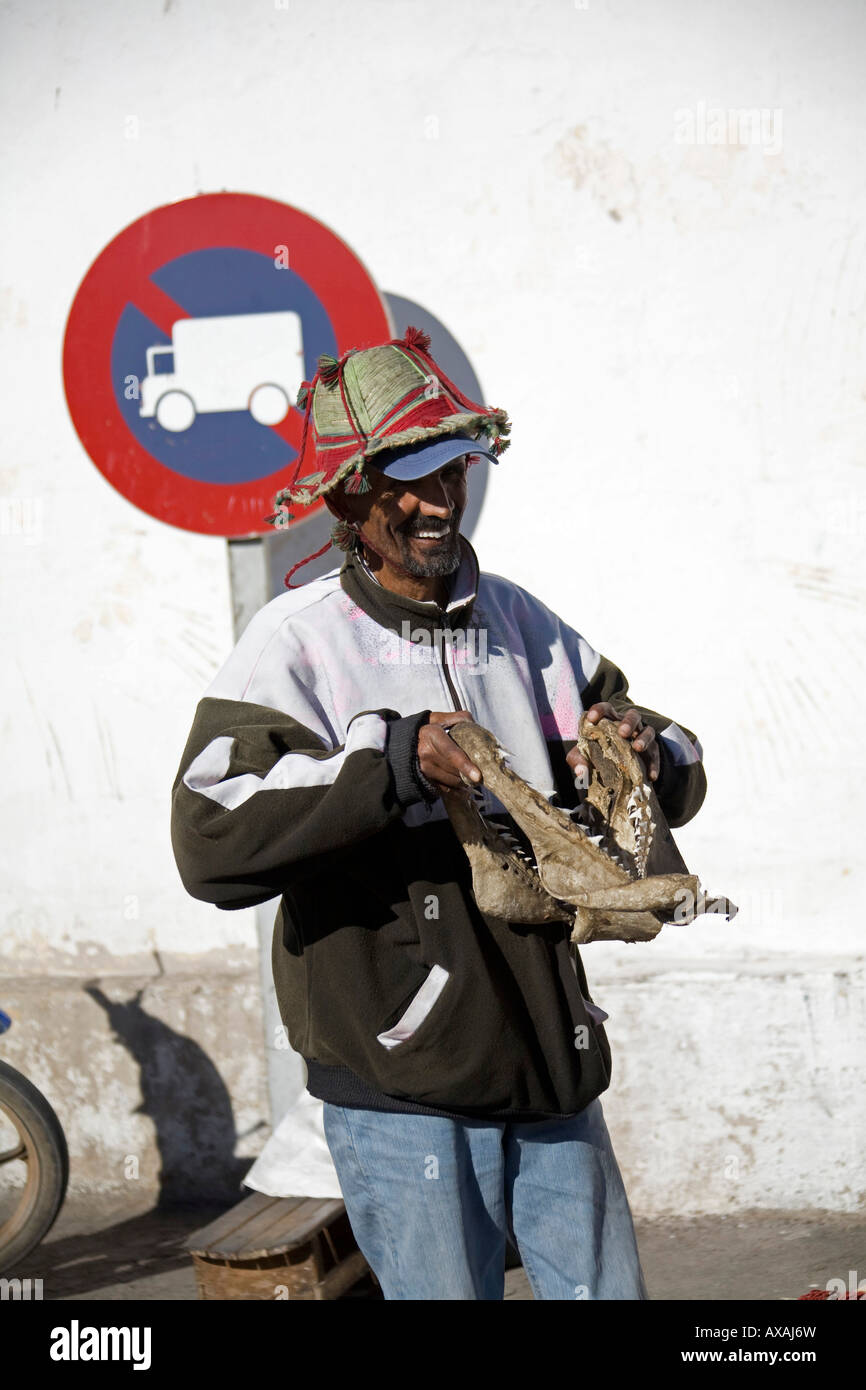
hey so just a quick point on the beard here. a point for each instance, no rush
(444, 558)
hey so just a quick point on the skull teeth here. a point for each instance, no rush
(585, 819)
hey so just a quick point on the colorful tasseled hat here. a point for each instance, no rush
(377, 398)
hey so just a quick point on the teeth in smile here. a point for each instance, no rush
(430, 535)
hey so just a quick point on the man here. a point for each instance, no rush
(459, 1057)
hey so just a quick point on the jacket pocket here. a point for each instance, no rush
(291, 967)
(418, 1011)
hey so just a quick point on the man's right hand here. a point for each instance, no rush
(439, 757)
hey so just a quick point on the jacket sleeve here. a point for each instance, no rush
(682, 783)
(258, 793)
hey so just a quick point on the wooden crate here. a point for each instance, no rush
(277, 1247)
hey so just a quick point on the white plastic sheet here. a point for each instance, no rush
(295, 1161)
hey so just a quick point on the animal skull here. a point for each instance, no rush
(611, 867)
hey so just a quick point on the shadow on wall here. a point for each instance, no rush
(186, 1098)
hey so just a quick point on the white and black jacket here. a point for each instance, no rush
(300, 781)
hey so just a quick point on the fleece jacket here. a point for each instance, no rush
(300, 782)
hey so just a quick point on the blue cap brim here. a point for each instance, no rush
(417, 460)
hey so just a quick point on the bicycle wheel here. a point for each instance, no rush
(30, 1135)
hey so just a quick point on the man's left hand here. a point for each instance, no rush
(631, 726)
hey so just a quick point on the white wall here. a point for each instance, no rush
(676, 330)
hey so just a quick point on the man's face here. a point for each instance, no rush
(416, 523)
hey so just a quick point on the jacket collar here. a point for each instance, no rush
(392, 610)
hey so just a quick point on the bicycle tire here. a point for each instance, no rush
(47, 1166)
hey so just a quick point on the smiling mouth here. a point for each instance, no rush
(431, 534)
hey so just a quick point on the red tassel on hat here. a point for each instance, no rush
(415, 338)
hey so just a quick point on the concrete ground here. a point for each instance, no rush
(101, 1249)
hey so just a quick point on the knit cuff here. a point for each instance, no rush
(402, 753)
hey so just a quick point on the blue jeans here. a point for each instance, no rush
(430, 1202)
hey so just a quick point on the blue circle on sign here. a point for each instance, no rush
(221, 446)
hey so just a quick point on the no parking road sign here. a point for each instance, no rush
(186, 344)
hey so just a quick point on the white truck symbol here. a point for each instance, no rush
(251, 362)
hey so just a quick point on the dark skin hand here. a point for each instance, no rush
(440, 758)
(631, 726)
(442, 761)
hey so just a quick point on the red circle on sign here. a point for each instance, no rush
(121, 275)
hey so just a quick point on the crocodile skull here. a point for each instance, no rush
(611, 866)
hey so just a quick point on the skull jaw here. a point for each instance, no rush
(636, 912)
(502, 886)
(595, 925)
(573, 878)
(499, 890)
(667, 899)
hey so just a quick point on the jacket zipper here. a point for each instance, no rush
(448, 681)
(458, 703)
